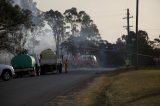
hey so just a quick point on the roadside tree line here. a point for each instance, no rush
(74, 32)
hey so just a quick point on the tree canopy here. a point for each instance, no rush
(12, 21)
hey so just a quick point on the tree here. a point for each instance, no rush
(32, 41)
(13, 19)
(88, 28)
(156, 42)
(56, 21)
(145, 49)
(71, 16)
(12, 16)
(85, 19)
(90, 31)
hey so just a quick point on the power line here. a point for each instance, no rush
(150, 29)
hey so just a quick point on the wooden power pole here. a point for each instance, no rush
(128, 23)
(137, 11)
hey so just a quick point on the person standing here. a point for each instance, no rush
(66, 66)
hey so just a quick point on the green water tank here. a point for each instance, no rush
(23, 61)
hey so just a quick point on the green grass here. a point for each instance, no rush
(134, 88)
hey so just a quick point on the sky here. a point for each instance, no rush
(108, 14)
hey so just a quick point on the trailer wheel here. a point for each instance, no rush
(32, 72)
(19, 75)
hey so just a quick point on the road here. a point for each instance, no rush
(36, 91)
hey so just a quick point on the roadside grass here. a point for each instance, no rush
(134, 88)
(124, 87)
(93, 92)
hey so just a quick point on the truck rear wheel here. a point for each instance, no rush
(42, 70)
(60, 69)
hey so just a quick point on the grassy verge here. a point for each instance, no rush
(118, 88)
(93, 92)
(133, 88)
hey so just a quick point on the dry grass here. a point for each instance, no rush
(136, 88)
(92, 94)
(120, 88)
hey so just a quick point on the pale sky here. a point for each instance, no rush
(108, 14)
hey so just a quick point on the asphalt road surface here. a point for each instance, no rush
(36, 91)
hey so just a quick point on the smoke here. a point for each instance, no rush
(42, 38)
(18, 2)
(5, 57)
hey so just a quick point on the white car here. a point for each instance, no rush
(6, 72)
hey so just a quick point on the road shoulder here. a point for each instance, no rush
(86, 93)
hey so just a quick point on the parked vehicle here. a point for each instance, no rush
(86, 60)
(24, 64)
(49, 62)
(6, 72)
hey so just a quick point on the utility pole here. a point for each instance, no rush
(137, 9)
(128, 24)
(128, 31)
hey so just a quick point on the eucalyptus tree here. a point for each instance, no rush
(13, 20)
(88, 41)
(88, 28)
(71, 16)
(84, 18)
(56, 21)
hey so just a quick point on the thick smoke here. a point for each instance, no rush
(5, 57)
(36, 41)
(44, 35)
(44, 38)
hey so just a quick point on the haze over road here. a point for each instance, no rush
(36, 91)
